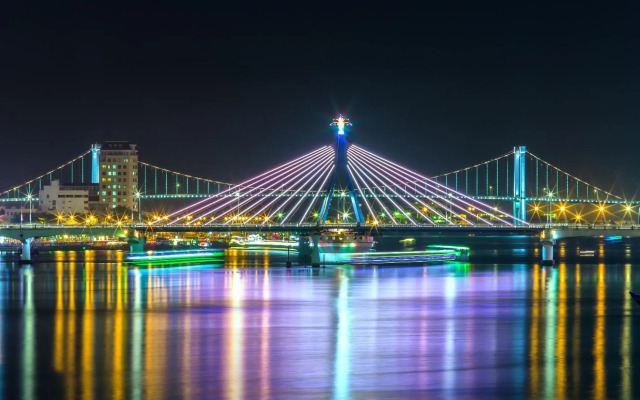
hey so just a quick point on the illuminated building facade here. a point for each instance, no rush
(67, 198)
(118, 175)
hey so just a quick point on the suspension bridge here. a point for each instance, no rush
(345, 183)
(344, 186)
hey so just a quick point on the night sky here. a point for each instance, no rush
(225, 93)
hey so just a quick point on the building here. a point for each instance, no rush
(67, 198)
(7, 213)
(118, 175)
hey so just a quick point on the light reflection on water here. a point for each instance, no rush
(86, 326)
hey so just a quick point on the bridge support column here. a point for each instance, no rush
(25, 257)
(519, 184)
(315, 250)
(136, 244)
(95, 163)
(547, 250)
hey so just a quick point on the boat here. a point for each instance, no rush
(405, 257)
(175, 256)
(635, 296)
(345, 247)
(257, 242)
(340, 246)
(408, 241)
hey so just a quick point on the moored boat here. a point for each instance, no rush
(175, 256)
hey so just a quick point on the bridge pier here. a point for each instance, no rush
(25, 257)
(136, 244)
(315, 251)
(547, 250)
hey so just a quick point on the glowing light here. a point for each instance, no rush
(341, 122)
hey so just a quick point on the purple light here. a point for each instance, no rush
(420, 201)
(357, 166)
(428, 182)
(401, 174)
(247, 182)
(373, 172)
(230, 199)
(289, 177)
(295, 207)
(364, 198)
(379, 202)
(317, 194)
(315, 171)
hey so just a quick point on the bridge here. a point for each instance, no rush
(344, 185)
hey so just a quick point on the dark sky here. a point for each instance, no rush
(225, 93)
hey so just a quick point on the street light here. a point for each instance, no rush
(550, 195)
(29, 197)
(138, 194)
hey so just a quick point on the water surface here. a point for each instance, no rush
(84, 325)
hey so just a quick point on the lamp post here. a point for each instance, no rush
(29, 197)
(550, 194)
(139, 210)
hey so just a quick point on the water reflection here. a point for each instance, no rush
(87, 326)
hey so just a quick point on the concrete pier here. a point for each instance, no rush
(315, 251)
(25, 257)
(547, 251)
(136, 244)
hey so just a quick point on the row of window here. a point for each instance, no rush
(117, 187)
(118, 180)
(117, 166)
(114, 173)
(104, 193)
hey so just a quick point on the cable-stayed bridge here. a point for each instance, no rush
(344, 183)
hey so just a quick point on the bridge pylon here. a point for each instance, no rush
(519, 184)
(341, 175)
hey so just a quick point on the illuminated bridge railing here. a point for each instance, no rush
(84, 229)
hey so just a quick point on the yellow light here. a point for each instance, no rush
(601, 208)
(562, 208)
(628, 208)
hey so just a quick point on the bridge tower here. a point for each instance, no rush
(341, 174)
(519, 184)
(95, 163)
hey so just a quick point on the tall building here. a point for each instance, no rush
(118, 175)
